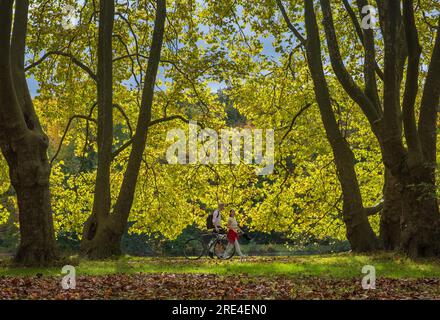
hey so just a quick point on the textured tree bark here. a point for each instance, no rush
(37, 241)
(29, 171)
(420, 218)
(23, 142)
(391, 213)
(101, 241)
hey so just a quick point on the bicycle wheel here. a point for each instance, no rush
(220, 246)
(193, 249)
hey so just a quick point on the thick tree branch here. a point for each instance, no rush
(360, 34)
(370, 62)
(412, 81)
(430, 104)
(18, 47)
(353, 211)
(353, 90)
(11, 118)
(391, 16)
(102, 195)
(124, 201)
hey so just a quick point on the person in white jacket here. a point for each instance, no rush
(216, 217)
(217, 222)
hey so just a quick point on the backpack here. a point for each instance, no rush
(209, 223)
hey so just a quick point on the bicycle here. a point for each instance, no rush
(195, 248)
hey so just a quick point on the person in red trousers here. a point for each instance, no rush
(233, 231)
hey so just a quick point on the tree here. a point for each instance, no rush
(355, 215)
(289, 201)
(23, 141)
(66, 58)
(327, 180)
(412, 165)
(359, 232)
(104, 228)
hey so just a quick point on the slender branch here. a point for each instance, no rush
(360, 34)
(127, 120)
(129, 55)
(140, 55)
(292, 123)
(152, 123)
(66, 131)
(64, 54)
(169, 118)
(135, 40)
(292, 28)
(425, 19)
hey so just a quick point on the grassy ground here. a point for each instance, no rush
(333, 266)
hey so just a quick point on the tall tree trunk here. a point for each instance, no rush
(29, 171)
(359, 231)
(414, 167)
(31, 183)
(96, 225)
(103, 233)
(23, 142)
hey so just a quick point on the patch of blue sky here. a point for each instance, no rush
(33, 86)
